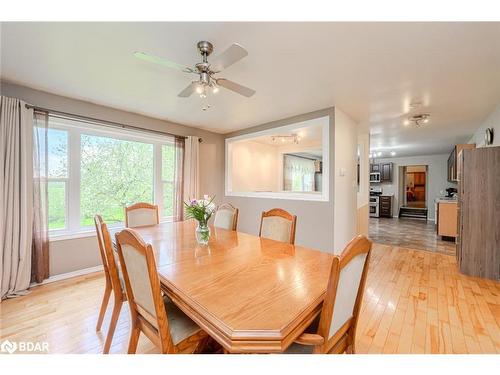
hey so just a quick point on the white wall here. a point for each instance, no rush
(436, 178)
(492, 121)
(364, 171)
(255, 167)
(345, 180)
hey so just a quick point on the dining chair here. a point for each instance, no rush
(158, 318)
(141, 214)
(113, 279)
(277, 224)
(226, 217)
(336, 331)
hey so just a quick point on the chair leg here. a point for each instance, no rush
(112, 325)
(134, 339)
(104, 305)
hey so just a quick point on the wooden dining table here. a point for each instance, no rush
(250, 294)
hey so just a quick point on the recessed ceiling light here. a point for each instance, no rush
(393, 153)
(379, 153)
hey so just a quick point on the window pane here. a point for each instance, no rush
(57, 204)
(57, 143)
(114, 174)
(167, 162)
(168, 199)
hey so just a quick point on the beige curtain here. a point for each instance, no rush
(40, 244)
(191, 168)
(16, 196)
(179, 179)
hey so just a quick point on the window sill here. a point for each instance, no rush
(317, 197)
(90, 232)
(71, 236)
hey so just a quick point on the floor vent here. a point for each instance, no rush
(413, 213)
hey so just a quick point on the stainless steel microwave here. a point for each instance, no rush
(375, 177)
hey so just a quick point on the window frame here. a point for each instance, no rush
(75, 129)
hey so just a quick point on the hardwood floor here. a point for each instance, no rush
(410, 233)
(415, 302)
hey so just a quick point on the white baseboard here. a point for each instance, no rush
(68, 275)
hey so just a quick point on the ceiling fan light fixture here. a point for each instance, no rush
(215, 89)
(419, 119)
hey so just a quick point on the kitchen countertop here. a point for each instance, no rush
(445, 200)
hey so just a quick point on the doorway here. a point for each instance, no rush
(415, 186)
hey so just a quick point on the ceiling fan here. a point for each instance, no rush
(206, 71)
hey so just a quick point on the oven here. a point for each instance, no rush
(374, 206)
(375, 177)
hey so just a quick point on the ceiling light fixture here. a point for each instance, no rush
(379, 153)
(393, 153)
(294, 138)
(419, 119)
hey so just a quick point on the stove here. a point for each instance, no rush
(375, 193)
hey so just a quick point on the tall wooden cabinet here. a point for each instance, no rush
(478, 241)
(453, 166)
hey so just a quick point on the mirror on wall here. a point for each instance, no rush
(289, 161)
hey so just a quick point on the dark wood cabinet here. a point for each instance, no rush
(453, 168)
(385, 172)
(374, 167)
(385, 206)
(478, 206)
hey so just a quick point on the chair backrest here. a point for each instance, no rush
(141, 214)
(345, 289)
(142, 283)
(226, 217)
(108, 256)
(277, 224)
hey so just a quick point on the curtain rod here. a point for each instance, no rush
(105, 122)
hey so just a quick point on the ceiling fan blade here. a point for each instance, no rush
(158, 60)
(188, 90)
(233, 54)
(236, 87)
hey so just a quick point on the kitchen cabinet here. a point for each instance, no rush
(385, 172)
(453, 167)
(374, 167)
(385, 206)
(447, 219)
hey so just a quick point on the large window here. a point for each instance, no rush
(57, 144)
(96, 170)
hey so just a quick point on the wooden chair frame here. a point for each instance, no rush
(285, 215)
(112, 278)
(159, 336)
(235, 213)
(344, 339)
(141, 205)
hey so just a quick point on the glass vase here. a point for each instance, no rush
(202, 233)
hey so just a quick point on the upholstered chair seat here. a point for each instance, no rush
(181, 326)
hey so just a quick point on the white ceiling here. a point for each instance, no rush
(371, 71)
